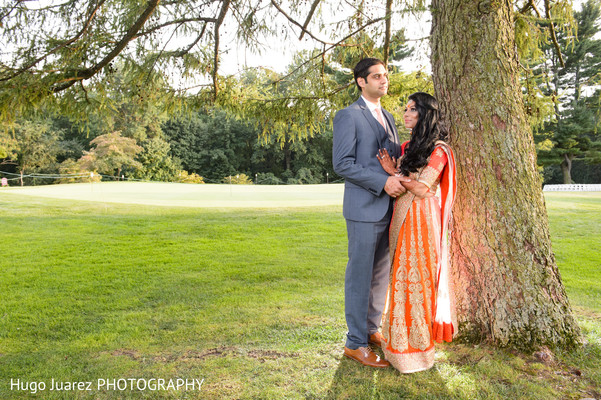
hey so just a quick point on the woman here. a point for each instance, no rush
(418, 309)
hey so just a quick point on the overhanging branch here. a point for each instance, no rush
(87, 23)
(553, 35)
(361, 28)
(186, 50)
(129, 35)
(290, 98)
(308, 19)
(220, 19)
(303, 27)
(388, 28)
(176, 21)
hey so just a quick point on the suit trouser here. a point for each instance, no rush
(366, 278)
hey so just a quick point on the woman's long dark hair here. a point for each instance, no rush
(427, 131)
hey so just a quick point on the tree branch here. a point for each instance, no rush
(176, 21)
(60, 46)
(220, 19)
(84, 91)
(7, 13)
(387, 35)
(303, 28)
(329, 48)
(308, 19)
(17, 3)
(246, 30)
(553, 35)
(530, 5)
(151, 69)
(323, 69)
(288, 98)
(129, 35)
(186, 50)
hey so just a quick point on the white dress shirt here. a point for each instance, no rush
(372, 108)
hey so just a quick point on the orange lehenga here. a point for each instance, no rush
(418, 306)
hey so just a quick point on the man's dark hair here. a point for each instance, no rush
(362, 69)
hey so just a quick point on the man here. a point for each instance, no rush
(360, 130)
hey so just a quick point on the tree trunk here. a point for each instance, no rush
(556, 91)
(566, 169)
(507, 286)
(576, 85)
(287, 156)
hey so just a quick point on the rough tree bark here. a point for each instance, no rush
(507, 286)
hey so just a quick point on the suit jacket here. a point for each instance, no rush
(357, 138)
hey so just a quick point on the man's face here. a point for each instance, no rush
(376, 84)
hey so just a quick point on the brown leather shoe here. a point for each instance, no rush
(376, 339)
(366, 357)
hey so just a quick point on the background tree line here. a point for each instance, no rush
(211, 145)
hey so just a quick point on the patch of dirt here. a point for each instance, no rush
(134, 355)
(222, 351)
(263, 355)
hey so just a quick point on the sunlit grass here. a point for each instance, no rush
(251, 301)
(575, 222)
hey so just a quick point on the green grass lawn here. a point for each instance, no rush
(575, 221)
(190, 195)
(250, 301)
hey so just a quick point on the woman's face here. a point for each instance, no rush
(411, 115)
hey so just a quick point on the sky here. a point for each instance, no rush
(279, 55)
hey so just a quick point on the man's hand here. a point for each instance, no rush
(393, 185)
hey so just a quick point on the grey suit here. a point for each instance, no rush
(367, 209)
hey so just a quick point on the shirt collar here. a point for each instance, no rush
(371, 106)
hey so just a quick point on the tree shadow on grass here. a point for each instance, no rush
(355, 381)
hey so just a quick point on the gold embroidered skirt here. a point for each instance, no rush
(411, 299)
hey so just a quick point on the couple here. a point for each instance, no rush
(397, 272)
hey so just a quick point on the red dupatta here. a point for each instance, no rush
(442, 325)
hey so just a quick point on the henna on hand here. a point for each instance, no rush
(387, 162)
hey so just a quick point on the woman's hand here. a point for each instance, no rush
(420, 190)
(387, 162)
